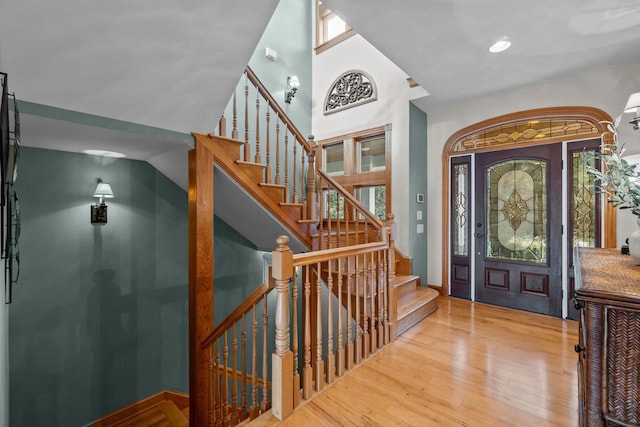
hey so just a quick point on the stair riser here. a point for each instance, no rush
(415, 316)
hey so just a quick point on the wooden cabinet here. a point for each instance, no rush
(608, 295)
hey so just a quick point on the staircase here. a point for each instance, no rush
(349, 271)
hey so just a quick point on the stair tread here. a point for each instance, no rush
(307, 221)
(271, 185)
(401, 280)
(258, 165)
(413, 301)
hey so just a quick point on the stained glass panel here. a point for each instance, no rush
(517, 211)
(584, 200)
(460, 210)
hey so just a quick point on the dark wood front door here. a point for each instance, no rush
(518, 230)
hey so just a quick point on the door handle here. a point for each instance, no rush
(480, 235)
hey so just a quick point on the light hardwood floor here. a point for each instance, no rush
(468, 364)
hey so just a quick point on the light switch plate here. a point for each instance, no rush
(420, 228)
(419, 215)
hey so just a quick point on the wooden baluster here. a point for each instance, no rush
(330, 193)
(303, 194)
(312, 196)
(391, 274)
(307, 373)
(319, 366)
(234, 375)
(331, 361)
(381, 291)
(278, 151)
(268, 149)
(282, 360)
(357, 225)
(338, 221)
(247, 146)
(243, 358)
(225, 376)
(365, 316)
(349, 314)
(385, 300)
(222, 126)
(234, 131)
(295, 173)
(322, 216)
(257, 158)
(255, 408)
(286, 165)
(347, 219)
(212, 392)
(264, 405)
(373, 272)
(340, 352)
(358, 282)
(218, 384)
(294, 344)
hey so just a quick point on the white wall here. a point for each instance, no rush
(392, 107)
(607, 90)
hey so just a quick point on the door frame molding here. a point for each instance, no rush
(455, 145)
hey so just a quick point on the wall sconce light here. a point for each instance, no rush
(99, 210)
(633, 106)
(293, 84)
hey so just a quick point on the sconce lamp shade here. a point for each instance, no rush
(103, 190)
(293, 82)
(633, 103)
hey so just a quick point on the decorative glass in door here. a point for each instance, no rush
(517, 211)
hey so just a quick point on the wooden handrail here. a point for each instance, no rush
(336, 253)
(354, 202)
(276, 107)
(237, 314)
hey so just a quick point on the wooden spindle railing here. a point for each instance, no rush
(343, 221)
(229, 402)
(294, 158)
(356, 277)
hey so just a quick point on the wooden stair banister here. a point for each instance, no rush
(276, 107)
(227, 344)
(244, 307)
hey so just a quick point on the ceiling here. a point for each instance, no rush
(443, 44)
(171, 65)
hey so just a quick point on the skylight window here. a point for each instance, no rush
(330, 28)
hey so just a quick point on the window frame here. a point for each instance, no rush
(352, 180)
(323, 16)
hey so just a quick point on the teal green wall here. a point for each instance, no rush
(99, 318)
(290, 33)
(418, 184)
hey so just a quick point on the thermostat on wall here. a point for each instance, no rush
(420, 198)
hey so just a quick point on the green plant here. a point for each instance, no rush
(619, 179)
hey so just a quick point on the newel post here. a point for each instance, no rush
(312, 209)
(391, 328)
(282, 358)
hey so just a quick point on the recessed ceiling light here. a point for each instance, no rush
(500, 46)
(104, 153)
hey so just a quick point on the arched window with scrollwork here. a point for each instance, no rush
(349, 90)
